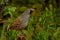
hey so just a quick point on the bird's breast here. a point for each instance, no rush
(25, 20)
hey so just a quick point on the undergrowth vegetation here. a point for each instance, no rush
(44, 23)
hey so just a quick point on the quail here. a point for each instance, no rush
(22, 21)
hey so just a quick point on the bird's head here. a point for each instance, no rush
(31, 10)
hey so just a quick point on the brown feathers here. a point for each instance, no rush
(22, 21)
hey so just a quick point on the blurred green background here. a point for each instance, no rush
(44, 23)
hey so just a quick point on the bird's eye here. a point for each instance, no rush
(31, 10)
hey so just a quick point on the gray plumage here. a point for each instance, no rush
(22, 21)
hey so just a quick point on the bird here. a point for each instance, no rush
(21, 21)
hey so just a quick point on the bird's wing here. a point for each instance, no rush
(16, 25)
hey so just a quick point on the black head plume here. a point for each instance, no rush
(31, 10)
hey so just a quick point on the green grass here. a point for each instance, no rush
(42, 25)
